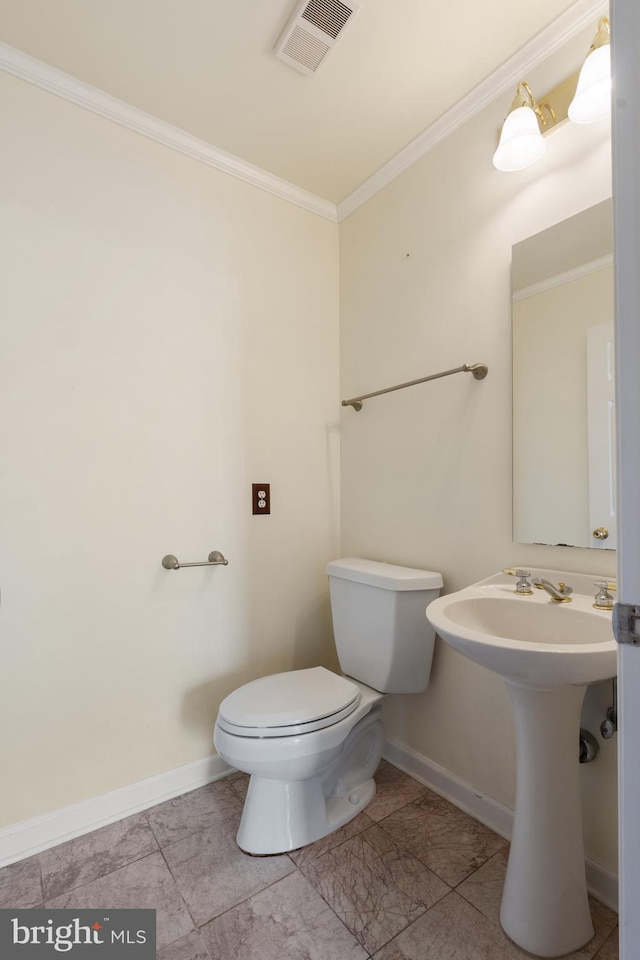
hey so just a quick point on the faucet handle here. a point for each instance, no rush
(603, 599)
(523, 586)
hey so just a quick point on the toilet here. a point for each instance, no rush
(311, 739)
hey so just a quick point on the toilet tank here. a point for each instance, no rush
(382, 635)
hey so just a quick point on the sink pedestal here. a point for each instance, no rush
(547, 653)
(544, 904)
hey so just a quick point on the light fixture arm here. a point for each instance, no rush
(525, 98)
(603, 36)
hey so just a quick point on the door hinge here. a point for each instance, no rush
(626, 623)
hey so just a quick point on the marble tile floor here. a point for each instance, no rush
(411, 878)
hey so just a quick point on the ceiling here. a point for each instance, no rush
(208, 68)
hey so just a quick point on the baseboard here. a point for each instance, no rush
(602, 882)
(31, 836)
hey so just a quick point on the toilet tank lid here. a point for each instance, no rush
(388, 576)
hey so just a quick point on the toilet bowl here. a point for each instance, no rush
(312, 740)
(298, 791)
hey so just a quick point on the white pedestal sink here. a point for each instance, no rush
(547, 653)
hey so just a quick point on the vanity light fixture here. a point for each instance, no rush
(582, 98)
(521, 142)
(592, 101)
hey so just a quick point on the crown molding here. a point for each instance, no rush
(566, 26)
(63, 85)
(568, 276)
(551, 38)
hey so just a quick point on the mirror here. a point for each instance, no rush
(563, 383)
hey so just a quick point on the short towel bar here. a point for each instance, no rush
(215, 560)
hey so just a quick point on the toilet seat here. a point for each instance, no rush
(288, 704)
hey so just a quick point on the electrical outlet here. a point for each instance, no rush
(261, 498)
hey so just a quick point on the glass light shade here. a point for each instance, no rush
(521, 142)
(592, 100)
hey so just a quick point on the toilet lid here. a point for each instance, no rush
(286, 704)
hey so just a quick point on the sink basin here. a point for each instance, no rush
(529, 639)
(547, 653)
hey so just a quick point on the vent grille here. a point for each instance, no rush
(312, 32)
(305, 49)
(330, 16)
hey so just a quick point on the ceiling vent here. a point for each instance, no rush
(312, 31)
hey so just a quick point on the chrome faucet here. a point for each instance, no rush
(523, 586)
(559, 594)
(604, 599)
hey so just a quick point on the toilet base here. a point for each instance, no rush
(282, 815)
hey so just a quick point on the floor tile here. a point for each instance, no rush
(320, 847)
(452, 930)
(144, 884)
(287, 921)
(394, 789)
(448, 841)
(374, 885)
(239, 783)
(483, 889)
(86, 858)
(194, 811)
(190, 947)
(609, 950)
(605, 922)
(391, 951)
(213, 874)
(20, 884)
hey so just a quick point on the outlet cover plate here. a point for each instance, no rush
(260, 498)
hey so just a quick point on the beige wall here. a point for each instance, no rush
(426, 472)
(169, 336)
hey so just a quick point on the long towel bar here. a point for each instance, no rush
(479, 371)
